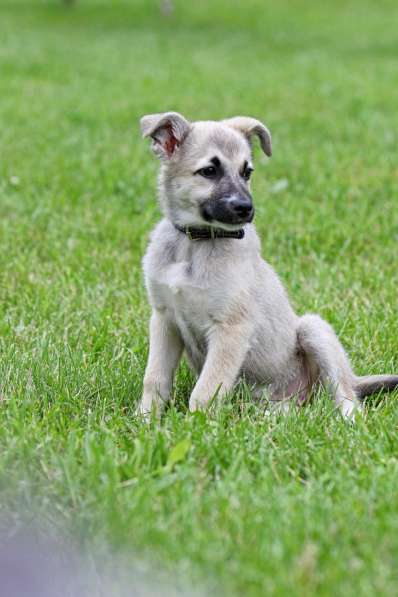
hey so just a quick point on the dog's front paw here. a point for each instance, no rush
(143, 411)
(196, 404)
(148, 408)
(203, 398)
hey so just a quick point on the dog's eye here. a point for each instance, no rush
(246, 173)
(208, 172)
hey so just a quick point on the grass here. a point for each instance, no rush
(232, 501)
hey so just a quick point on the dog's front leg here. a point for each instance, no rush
(228, 345)
(165, 348)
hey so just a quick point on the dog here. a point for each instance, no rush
(211, 293)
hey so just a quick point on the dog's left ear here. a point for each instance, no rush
(168, 130)
(249, 127)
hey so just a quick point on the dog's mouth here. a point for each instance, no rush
(230, 211)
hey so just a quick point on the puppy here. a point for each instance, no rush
(211, 293)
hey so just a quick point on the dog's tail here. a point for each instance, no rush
(370, 384)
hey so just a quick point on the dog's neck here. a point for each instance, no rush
(208, 232)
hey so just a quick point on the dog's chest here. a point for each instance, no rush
(185, 292)
(196, 283)
(189, 298)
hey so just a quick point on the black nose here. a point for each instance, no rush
(243, 208)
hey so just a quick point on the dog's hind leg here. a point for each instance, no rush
(328, 361)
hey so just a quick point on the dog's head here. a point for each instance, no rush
(206, 167)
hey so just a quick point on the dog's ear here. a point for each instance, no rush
(249, 127)
(167, 130)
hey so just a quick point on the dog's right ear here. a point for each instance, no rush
(167, 130)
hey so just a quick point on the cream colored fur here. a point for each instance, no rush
(218, 300)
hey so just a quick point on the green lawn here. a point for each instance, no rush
(301, 505)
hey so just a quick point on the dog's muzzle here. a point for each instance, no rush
(228, 210)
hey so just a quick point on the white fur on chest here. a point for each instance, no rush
(201, 279)
(196, 283)
(186, 298)
(188, 303)
(178, 280)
